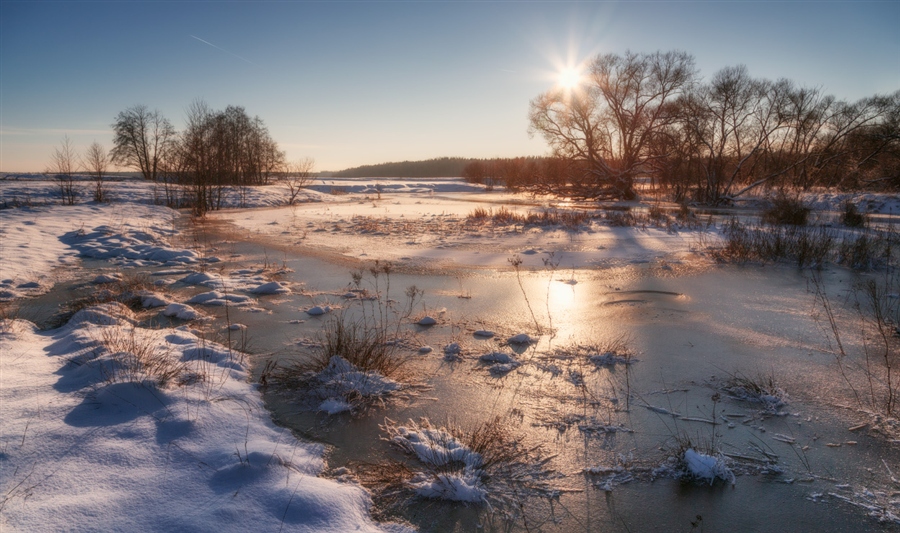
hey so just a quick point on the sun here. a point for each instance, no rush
(569, 78)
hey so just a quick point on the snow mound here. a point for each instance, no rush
(128, 246)
(458, 476)
(202, 278)
(252, 281)
(153, 299)
(427, 321)
(215, 298)
(106, 314)
(106, 278)
(484, 333)
(503, 363)
(463, 487)
(521, 338)
(271, 287)
(341, 386)
(704, 467)
(498, 357)
(452, 352)
(759, 391)
(333, 406)
(194, 455)
(501, 369)
(610, 359)
(182, 312)
(318, 310)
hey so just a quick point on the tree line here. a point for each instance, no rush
(441, 167)
(650, 116)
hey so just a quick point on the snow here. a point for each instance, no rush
(271, 287)
(40, 245)
(252, 281)
(707, 467)
(216, 298)
(422, 223)
(464, 487)
(195, 453)
(108, 426)
(521, 338)
(427, 321)
(106, 278)
(502, 363)
(342, 378)
(497, 357)
(334, 406)
(452, 352)
(340, 387)
(437, 448)
(865, 202)
(610, 359)
(92, 441)
(182, 312)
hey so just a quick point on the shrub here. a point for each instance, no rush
(806, 246)
(685, 214)
(851, 217)
(786, 210)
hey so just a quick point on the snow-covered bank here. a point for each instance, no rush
(36, 242)
(92, 441)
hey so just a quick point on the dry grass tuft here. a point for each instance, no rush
(761, 389)
(486, 464)
(354, 366)
(503, 216)
(139, 355)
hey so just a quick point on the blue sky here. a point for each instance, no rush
(361, 82)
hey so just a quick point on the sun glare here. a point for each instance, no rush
(569, 78)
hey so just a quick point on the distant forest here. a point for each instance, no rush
(441, 167)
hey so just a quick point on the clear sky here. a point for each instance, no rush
(362, 82)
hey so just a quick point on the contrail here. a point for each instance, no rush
(224, 50)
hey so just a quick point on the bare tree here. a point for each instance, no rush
(63, 162)
(142, 138)
(298, 176)
(608, 126)
(95, 162)
(734, 122)
(223, 148)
